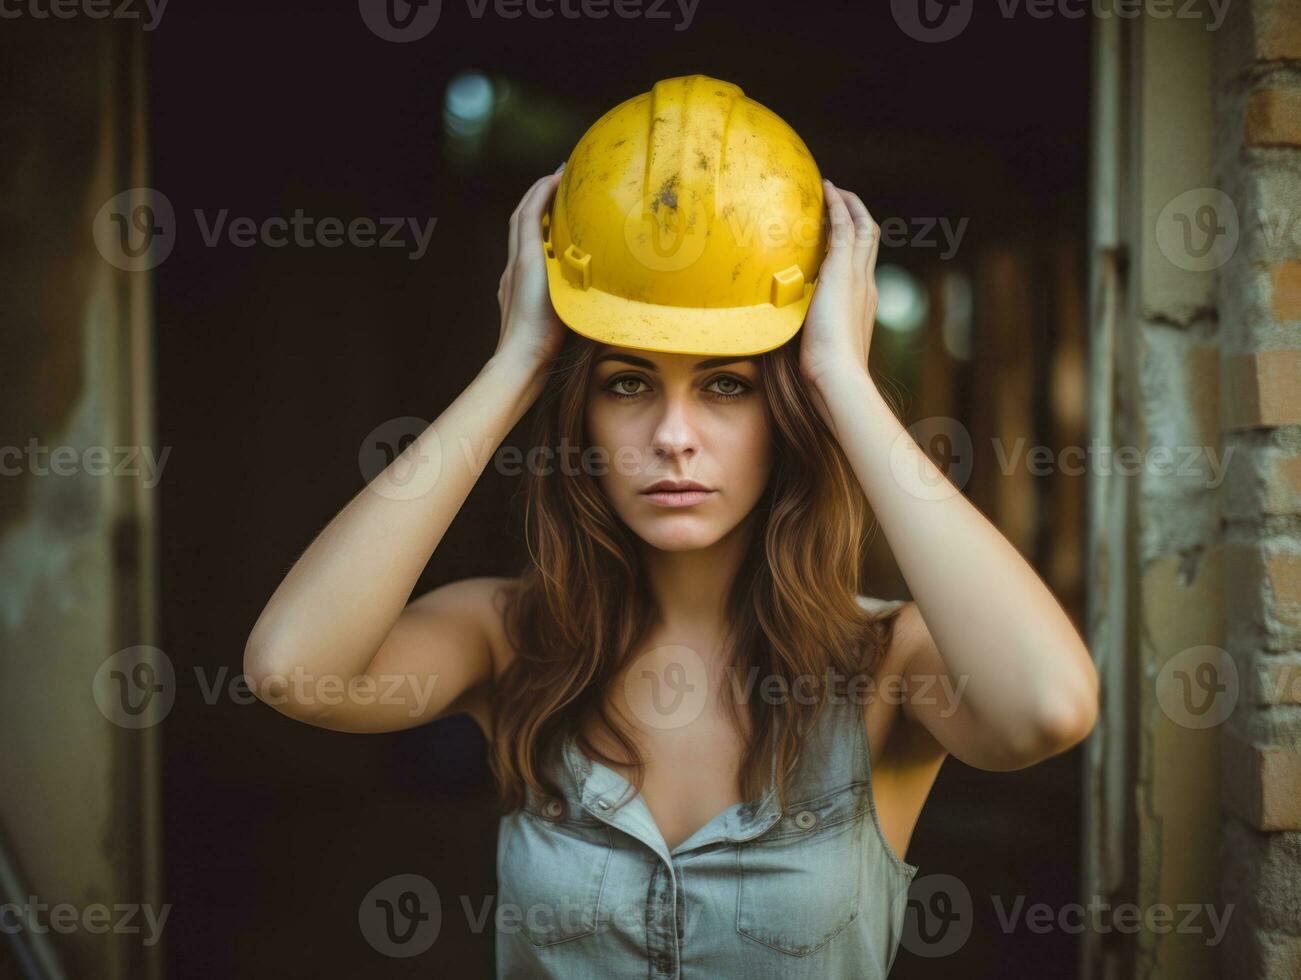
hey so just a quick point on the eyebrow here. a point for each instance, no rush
(711, 362)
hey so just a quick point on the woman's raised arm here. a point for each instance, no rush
(337, 644)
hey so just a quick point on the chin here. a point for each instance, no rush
(680, 539)
(679, 531)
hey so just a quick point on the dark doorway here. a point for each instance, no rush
(275, 365)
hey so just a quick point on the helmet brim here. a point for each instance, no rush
(716, 331)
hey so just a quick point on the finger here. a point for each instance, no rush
(512, 249)
(840, 244)
(513, 239)
(529, 225)
(513, 226)
(865, 233)
(513, 246)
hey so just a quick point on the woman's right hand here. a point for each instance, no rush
(531, 332)
(341, 623)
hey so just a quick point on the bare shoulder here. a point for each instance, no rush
(906, 757)
(898, 735)
(481, 599)
(481, 603)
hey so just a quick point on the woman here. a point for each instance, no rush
(711, 748)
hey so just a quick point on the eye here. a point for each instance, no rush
(725, 387)
(733, 387)
(616, 386)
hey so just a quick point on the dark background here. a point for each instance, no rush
(274, 365)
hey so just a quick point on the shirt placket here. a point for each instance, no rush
(663, 924)
(600, 790)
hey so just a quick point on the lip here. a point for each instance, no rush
(678, 498)
(677, 493)
(675, 486)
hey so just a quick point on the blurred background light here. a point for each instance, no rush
(903, 302)
(468, 108)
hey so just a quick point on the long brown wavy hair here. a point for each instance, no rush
(581, 608)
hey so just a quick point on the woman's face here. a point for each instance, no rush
(679, 418)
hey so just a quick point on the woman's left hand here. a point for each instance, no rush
(837, 331)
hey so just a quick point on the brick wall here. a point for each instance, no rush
(1258, 136)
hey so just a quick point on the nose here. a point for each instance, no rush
(675, 430)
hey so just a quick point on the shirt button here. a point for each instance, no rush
(554, 808)
(603, 804)
(805, 819)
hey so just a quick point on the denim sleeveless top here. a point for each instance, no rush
(588, 888)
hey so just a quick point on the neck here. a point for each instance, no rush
(690, 588)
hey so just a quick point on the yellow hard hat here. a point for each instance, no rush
(690, 219)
